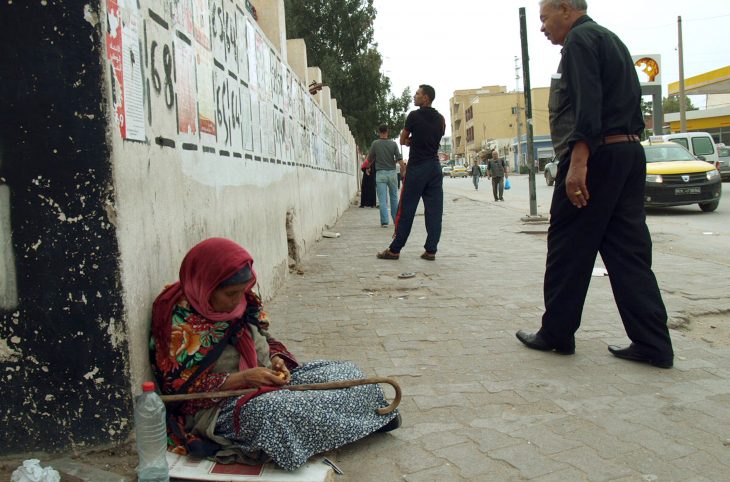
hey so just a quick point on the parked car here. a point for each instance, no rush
(551, 171)
(446, 170)
(700, 144)
(723, 155)
(675, 177)
(458, 171)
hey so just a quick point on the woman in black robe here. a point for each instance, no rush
(367, 187)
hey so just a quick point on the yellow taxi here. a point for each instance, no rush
(458, 171)
(675, 177)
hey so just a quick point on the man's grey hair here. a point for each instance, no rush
(581, 5)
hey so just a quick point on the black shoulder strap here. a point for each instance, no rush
(209, 359)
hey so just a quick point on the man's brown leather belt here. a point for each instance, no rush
(618, 138)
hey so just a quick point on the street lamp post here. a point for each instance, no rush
(533, 216)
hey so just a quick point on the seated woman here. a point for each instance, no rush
(209, 333)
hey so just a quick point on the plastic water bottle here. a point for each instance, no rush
(151, 430)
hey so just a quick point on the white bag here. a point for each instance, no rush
(31, 471)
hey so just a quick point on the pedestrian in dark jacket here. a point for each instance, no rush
(497, 171)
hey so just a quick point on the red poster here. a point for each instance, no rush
(115, 56)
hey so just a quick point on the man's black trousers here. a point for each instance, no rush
(614, 224)
(421, 181)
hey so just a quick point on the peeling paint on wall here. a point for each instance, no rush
(7, 354)
(8, 282)
(56, 237)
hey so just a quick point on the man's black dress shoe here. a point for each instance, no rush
(537, 342)
(633, 353)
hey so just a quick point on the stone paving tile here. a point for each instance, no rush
(713, 445)
(413, 431)
(487, 440)
(705, 464)
(596, 468)
(658, 443)
(570, 474)
(547, 442)
(528, 460)
(612, 423)
(474, 465)
(606, 445)
(453, 400)
(652, 466)
(443, 473)
(412, 458)
(444, 440)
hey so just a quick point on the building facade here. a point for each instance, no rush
(715, 117)
(490, 118)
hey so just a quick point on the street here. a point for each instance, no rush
(681, 230)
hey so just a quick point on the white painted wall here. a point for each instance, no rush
(167, 199)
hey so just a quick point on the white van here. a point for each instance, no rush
(700, 144)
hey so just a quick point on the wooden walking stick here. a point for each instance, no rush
(310, 386)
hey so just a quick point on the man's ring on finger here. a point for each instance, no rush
(578, 193)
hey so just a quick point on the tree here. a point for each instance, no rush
(671, 104)
(647, 108)
(340, 41)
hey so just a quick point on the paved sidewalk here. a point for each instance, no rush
(479, 406)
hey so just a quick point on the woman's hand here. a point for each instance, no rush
(253, 377)
(278, 365)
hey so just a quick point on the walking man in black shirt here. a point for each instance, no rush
(423, 178)
(598, 202)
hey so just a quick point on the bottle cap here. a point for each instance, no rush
(148, 387)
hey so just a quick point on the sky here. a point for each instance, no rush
(465, 44)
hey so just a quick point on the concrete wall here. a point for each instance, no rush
(194, 126)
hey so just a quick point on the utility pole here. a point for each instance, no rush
(682, 100)
(518, 116)
(533, 216)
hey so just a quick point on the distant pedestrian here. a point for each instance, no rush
(422, 179)
(385, 156)
(497, 171)
(367, 186)
(595, 122)
(475, 174)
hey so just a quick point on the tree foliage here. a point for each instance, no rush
(671, 104)
(340, 41)
(647, 107)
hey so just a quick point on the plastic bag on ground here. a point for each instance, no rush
(31, 471)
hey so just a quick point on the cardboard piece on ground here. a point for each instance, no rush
(189, 468)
